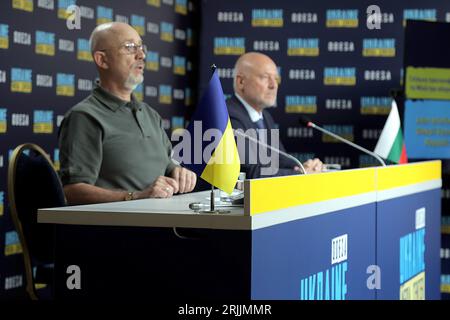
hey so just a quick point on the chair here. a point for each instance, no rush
(32, 184)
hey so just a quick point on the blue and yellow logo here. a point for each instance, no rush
(445, 283)
(167, 31)
(43, 121)
(375, 105)
(339, 76)
(187, 97)
(341, 130)
(419, 14)
(62, 7)
(2, 203)
(303, 47)
(3, 120)
(45, 43)
(26, 5)
(21, 80)
(229, 46)
(181, 6)
(56, 163)
(445, 224)
(4, 38)
(189, 37)
(139, 92)
(177, 123)
(104, 14)
(165, 94)
(138, 23)
(154, 3)
(412, 266)
(378, 47)
(65, 84)
(179, 65)
(12, 243)
(267, 18)
(84, 50)
(301, 104)
(152, 61)
(342, 18)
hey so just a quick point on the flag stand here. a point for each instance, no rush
(212, 207)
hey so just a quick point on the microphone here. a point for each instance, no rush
(242, 134)
(307, 122)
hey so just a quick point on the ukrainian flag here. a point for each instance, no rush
(221, 166)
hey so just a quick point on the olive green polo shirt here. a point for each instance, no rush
(113, 144)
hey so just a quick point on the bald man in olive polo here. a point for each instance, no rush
(113, 147)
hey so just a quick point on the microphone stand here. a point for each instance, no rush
(238, 132)
(310, 124)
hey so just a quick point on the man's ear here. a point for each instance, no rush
(239, 81)
(101, 59)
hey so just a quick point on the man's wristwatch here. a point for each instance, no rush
(129, 196)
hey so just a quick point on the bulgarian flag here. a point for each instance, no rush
(390, 144)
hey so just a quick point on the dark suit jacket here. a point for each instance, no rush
(240, 119)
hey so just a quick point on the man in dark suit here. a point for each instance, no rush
(255, 89)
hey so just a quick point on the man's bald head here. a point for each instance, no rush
(119, 55)
(256, 79)
(108, 33)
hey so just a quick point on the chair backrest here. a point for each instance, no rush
(33, 184)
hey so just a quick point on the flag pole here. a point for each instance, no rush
(212, 206)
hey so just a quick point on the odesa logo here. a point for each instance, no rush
(3, 120)
(375, 105)
(378, 47)
(330, 284)
(4, 36)
(229, 46)
(267, 18)
(139, 92)
(181, 6)
(152, 61)
(2, 203)
(165, 94)
(342, 18)
(154, 3)
(344, 131)
(56, 163)
(179, 65)
(104, 15)
(339, 76)
(21, 80)
(84, 50)
(43, 121)
(138, 23)
(419, 14)
(65, 84)
(187, 97)
(62, 8)
(303, 47)
(26, 5)
(301, 104)
(45, 43)
(12, 243)
(166, 31)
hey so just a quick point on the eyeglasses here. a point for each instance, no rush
(132, 48)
